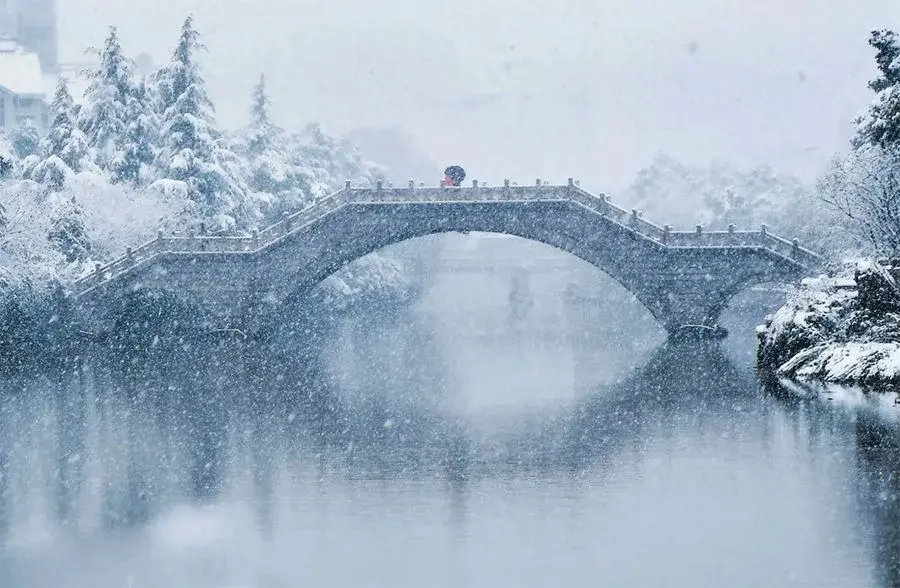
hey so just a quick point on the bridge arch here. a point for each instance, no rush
(295, 297)
(678, 287)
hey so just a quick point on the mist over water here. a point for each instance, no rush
(455, 442)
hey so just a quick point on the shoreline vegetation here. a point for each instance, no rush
(844, 327)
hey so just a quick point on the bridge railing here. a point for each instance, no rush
(733, 238)
(474, 193)
(602, 205)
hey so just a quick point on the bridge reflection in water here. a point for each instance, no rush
(99, 454)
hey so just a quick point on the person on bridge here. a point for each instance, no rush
(454, 175)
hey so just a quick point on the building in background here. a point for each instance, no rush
(23, 94)
(29, 61)
(35, 28)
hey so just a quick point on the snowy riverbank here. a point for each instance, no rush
(842, 330)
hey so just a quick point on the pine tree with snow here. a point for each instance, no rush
(26, 139)
(104, 116)
(879, 125)
(192, 149)
(136, 150)
(68, 233)
(326, 162)
(260, 134)
(273, 180)
(64, 149)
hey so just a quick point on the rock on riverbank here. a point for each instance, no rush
(843, 329)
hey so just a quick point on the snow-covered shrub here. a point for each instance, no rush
(117, 216)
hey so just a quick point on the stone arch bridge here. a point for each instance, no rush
(684, 278)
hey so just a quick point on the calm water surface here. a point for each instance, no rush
(408, 454)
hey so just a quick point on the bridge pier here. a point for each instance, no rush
(689, 309)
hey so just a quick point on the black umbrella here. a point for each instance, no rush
(455, 175)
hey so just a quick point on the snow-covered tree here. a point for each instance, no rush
(879, 124)
(26, 139)
(325, 162)
(192, 149)
(261, 134)
(64, 149)
(8, 158)
(137, 143)
(68, 234)
(865, 188)
(273, 179)
(104, 116)
(670, 192)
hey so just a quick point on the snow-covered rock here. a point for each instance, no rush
(842, 329)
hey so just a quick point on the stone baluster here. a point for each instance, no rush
(699, 230)
(667, 230)
(795, 248)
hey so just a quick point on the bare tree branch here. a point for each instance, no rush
(865, 188)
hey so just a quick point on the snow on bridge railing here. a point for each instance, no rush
(380, 193)
(474, 193)
(733, 238)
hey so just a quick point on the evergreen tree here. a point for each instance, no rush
(261, 131)
(271, 176)
(887, 57)
(879, 125)
(26, 139)
(104, 117)
(137, 144)
(64, 149)
(68, 233)
(325, 162)
(192, 149)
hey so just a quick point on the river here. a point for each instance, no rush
(416, 448)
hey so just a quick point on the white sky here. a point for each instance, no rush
(528, 88)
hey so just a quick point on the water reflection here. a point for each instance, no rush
(878, 491)
(224, 464)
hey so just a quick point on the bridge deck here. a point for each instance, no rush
(293, 223)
